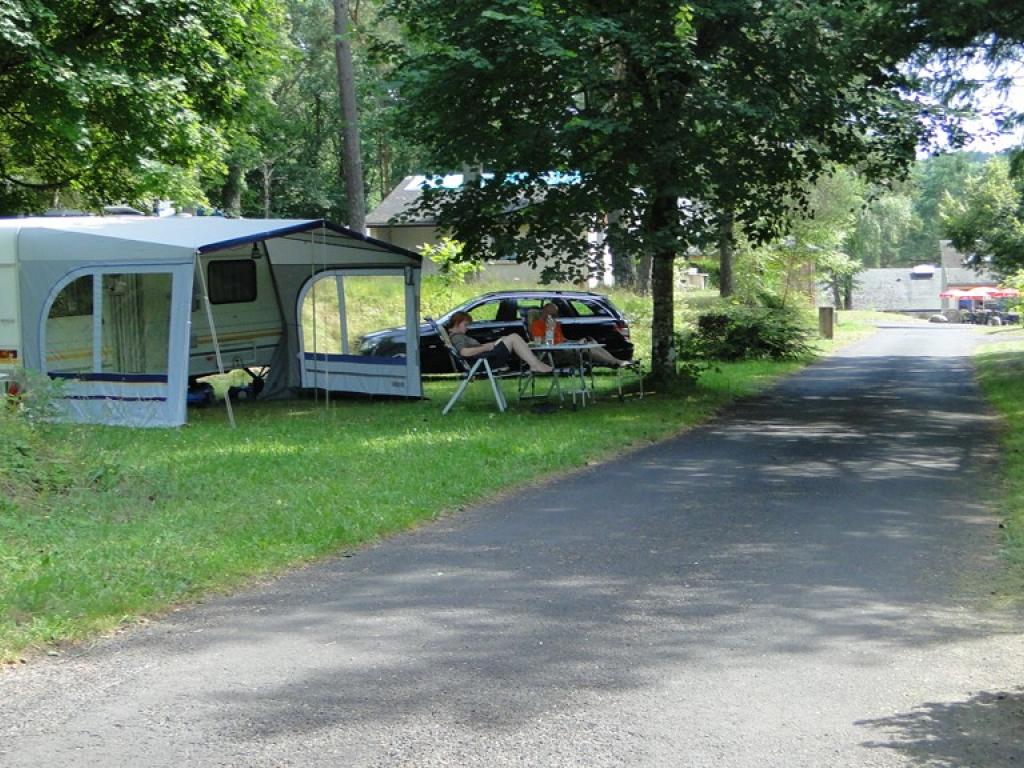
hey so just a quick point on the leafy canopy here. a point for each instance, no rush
(660, 115)
(94, 90)
(987, 219)
(730, 105)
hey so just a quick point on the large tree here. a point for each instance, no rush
(93, 91)
(352, 153)
(676, 120)
(287, 144)
(986, 219)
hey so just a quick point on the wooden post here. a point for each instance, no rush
(826, 321)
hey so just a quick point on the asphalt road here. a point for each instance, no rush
(805, 582)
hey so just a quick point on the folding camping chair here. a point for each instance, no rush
(634, 368)
(474, 369)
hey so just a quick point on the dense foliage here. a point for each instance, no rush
(986, 220)
(732, 107)
(737, 332)
(100, 97)
(286, 150)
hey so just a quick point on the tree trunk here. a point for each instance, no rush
(268, 171)
(352, 154)
(663, 348)
(231, 194)
(725, 254)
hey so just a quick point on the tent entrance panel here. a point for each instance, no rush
(116, 341)
(335, 309)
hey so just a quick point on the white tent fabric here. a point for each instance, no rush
(118, 253)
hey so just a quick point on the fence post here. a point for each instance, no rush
(826, 321)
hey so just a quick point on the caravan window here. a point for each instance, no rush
(232, 282)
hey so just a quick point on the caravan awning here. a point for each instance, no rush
(205, 234)
(121, 264)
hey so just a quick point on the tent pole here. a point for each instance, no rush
(213, 334)
(313, 291)
(327, 368)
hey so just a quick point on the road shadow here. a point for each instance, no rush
(839, 511)
(984, 731)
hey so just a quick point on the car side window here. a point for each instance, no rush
(587, 308)
(507, 311)
(486, 312)
(525, 305)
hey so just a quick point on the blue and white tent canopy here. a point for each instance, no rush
(149, 336)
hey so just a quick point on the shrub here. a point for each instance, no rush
(42, 461)
(744, 333)
(452, 272)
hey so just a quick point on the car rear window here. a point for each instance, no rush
(525, 305)
(589, 308)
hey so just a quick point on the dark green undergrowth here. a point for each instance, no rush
(130, 522)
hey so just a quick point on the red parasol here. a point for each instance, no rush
(979, 293)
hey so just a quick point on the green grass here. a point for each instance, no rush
(1001, 373)
(144, 519)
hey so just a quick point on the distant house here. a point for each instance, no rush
(916, 290)
(391, 222)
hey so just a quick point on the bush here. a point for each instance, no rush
(746, 333)
(43, 462)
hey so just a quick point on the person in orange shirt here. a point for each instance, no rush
(599, 355)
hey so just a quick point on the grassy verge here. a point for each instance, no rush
(1001, 373)
(165, 516)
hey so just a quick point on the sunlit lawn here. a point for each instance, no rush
(1001, 373)
(207, 508)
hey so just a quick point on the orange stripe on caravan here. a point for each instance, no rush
(237, 336)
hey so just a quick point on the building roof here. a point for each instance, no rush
(403, 197)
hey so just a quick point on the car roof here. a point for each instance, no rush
(532, 292)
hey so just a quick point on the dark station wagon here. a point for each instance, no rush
(581, 313)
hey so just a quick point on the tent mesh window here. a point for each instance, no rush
(69, 328)
(136, 323)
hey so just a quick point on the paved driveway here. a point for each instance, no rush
(805, 582)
